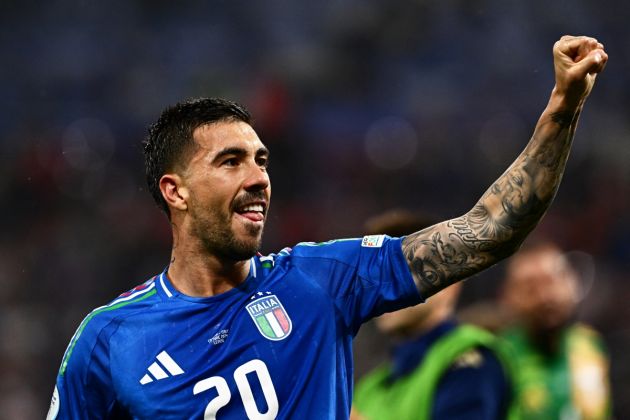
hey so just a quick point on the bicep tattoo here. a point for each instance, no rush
(447, 252)
(496, 226)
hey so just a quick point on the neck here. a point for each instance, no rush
(197, 272)
(429, 324)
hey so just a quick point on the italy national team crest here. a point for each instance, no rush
(270, 318)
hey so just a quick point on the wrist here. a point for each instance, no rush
(560, 102)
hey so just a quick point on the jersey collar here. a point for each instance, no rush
(166, 289)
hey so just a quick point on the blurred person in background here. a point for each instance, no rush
(561, 367)
(224, 331)
(439, 369)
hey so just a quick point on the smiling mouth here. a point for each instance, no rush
(252, 212)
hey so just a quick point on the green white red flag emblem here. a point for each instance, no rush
(270, 317)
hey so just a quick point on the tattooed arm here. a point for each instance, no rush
(499, 222)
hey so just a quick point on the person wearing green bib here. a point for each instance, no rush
(439, 369)
(561, 366)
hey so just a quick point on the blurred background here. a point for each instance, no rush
(365, 104)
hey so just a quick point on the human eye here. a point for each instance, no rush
(231, 161)
(262, 161)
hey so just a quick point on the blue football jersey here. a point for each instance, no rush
(277, 346)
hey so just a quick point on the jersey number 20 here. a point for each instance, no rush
(240, 377)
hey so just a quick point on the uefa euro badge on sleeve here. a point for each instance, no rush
(269, 315)
(372, 241)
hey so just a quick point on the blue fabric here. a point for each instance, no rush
(220, 357)
(463, 393)
(409, 354)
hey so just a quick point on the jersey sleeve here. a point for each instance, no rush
(365, 276)
(83, 389)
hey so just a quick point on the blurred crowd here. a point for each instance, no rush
(365, 105)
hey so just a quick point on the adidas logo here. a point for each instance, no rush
(156, 370)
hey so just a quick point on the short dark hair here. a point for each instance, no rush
(170, 139)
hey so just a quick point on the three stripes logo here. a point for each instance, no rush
(159, 370)
(270, 318)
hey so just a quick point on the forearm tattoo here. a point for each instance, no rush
(496, 226)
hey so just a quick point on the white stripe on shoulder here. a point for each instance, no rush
(332, 241)
(168, 292)
(285, 251)
(126, 298)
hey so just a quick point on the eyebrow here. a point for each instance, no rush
(239, 151)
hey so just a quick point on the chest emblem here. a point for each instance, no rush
(270, 317)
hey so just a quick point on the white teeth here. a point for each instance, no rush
(253, 207)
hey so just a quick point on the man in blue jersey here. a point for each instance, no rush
(225, 333)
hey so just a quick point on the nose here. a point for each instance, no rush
(257, 179)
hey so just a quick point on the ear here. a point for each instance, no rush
(174, 191)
